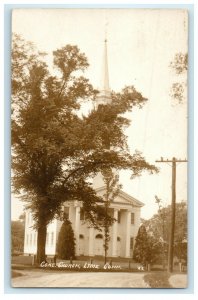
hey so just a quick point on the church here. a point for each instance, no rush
(89, 241)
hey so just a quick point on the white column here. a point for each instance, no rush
(115, 233)
(72, 216)
(91, 241)
(128, 227)
(77, 226)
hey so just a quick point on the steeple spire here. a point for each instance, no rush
(105, 75)
(104, 96)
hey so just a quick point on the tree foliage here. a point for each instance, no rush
(180, 63)
(54, 150)
(180, 66)
(159, 227)
(66, 241)
(17, 236)
(146, 249)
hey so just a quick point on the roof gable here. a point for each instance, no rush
(122, 197)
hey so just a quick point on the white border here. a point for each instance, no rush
(89, 295)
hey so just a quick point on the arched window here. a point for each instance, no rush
(81, 236)
(132, 218)
(35, 238)
(82, 215)
(99, 236)
(118, 239)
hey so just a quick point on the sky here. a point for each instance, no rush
(141, 45)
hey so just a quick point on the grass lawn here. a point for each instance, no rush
(158, 279)
(22, 259)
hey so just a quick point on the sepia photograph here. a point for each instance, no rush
(99, 138)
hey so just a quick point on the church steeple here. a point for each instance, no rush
(105, 69)
(104, 96)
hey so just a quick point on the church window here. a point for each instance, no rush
(66, 213)
(47, 238)
(99, 236)
(131, 242)
(119, 217)
(82, 214)
(52, 238)
(81, 236)
(132, 218)
(118, 239)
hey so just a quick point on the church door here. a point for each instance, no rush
(81, 245)
(98, 245)
(118, 248)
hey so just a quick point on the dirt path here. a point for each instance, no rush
(178, 280)
(91, 279)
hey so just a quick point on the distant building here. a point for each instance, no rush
(89, 241)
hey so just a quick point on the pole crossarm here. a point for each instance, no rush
(162, 160)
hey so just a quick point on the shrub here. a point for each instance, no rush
(66, 241)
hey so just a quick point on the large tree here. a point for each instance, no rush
(159, 227)
(55, 149)
(146, 250)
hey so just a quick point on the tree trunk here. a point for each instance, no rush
(41, 240)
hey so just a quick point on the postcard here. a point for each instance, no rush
(99, 148)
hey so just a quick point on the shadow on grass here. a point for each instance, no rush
(158, 280)
(16, 274)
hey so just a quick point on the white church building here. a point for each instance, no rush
(89, 241)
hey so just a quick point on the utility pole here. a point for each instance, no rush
(158, 201)
(173, 204)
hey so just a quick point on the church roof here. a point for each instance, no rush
(131, 200)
